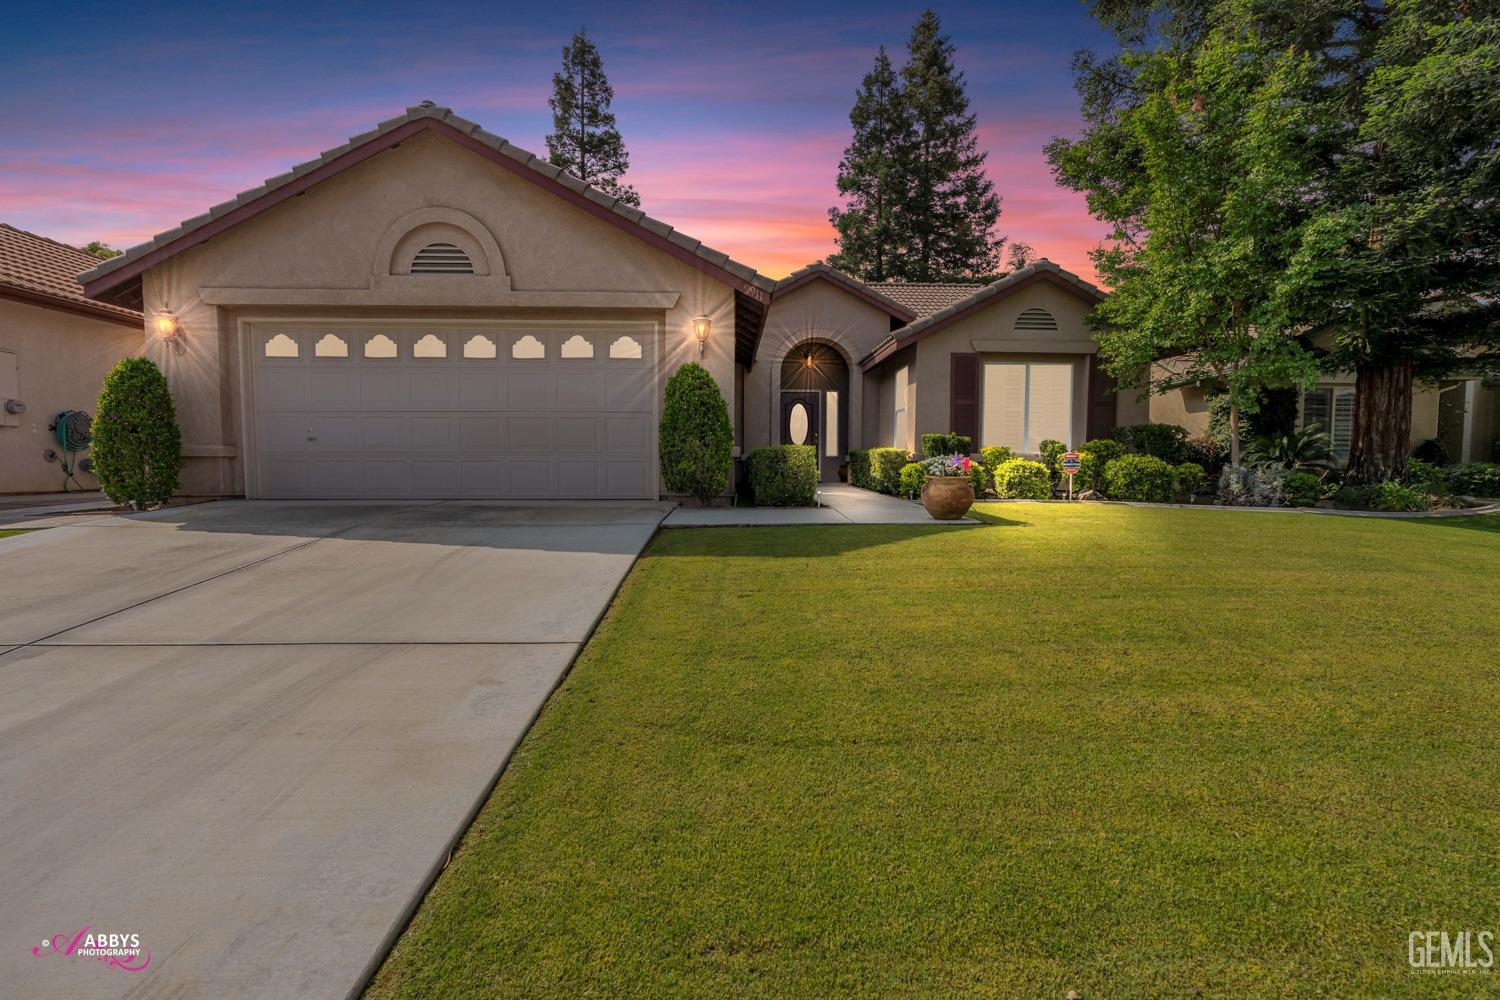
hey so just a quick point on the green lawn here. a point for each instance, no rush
(7, 532)
(1132, 752)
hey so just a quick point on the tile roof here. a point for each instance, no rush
(922, 298)
(39, 267)
(876, 294)
(427, 110)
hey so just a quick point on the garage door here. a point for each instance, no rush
(352, 411)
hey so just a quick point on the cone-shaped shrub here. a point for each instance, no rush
(696, 436)
(137, 447)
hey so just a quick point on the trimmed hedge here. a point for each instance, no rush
(1141, 478)
(859, 469)
(1093, 456)
(784, 475)
(885, 469)
(992, 455)
(1167, 442)
(1022, 479)
(934, 445)
(1190, 478)
(137, 448)
(695, 436)
(913, 478)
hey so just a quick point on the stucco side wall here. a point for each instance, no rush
(1187, 408)
(61, 361)
(817, 310)
(323, 254)
(996, 324)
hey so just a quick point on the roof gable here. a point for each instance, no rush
(873, 294)
(118, 279)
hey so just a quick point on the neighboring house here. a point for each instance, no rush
(56, 345)
(428, 310)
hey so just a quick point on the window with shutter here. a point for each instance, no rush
(1026, 404)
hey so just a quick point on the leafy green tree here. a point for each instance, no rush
(137, 448)
(872, 176)
(101, 250)
(1197, 158)
(948, 217)
(585, 140)
(696, 436)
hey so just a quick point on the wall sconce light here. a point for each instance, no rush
(701, 324)
(169, 331)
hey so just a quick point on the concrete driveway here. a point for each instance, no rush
(249, 732)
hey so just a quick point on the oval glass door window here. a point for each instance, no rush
(797, 423)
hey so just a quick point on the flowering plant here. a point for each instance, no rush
(948, 465)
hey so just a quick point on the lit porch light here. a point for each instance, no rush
(701, 324)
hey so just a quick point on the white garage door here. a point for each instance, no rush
(353, 411)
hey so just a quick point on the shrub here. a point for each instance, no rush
(1022, 479)
(1204, 451)
(1093, 456)
(1164, 441)
(1426, 477)
(137, 448)
(946, 444)
(1052, 453)
(784, 475)
(859, 469)
(1301, 489)
(1386, 496)
(1142, 478)
(1432, 451)
(885, 469)
(695, 435)
(913, 478)
(1473, 479)
(1251, 486)
(992, 455)
(1189, 478)
(1308, 448)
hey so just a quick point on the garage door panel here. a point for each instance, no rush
(442, 417)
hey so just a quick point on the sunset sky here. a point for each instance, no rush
(123, 120)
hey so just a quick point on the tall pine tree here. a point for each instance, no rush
(950, 210)
(871, 176)
(584, 139)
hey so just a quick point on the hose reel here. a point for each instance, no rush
(74, 432)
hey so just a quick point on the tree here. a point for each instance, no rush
(101, 250)
(872, 175)
(584, 139)
(1019, 256)
(948, 215)
(696, 437)
(1196, 156)
(137, 448)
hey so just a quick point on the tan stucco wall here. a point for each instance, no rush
(821, 311)
(932, 370)
(328, 253)
(1187, 408)
(62, 358)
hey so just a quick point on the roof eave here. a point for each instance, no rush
(33, 297)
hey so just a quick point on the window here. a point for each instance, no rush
(281, 346)
(831, 424)
(901, 437)
(380, 346)
(625, 347)
(331, 345)
(1332, 409)
(528, 347)
(479, 346)
(441, 258)
(1036, 319)
(430, 346)
(1025, 404)
(578, 346)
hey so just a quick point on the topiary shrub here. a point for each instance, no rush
(992, 455)
(1022, 479)
(934, 445)
(1189, 479)
(695, 435)
(1301, 489)
(1167, 442)
(137, 447)
(784, 475)
(1140, 478)
(859, 469)
(913, 478)
(885, 469)
(1474, 479)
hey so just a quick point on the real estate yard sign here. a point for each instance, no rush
(1071, 463)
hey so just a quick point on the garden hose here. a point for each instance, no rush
(74, 432)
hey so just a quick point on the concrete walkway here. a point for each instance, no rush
(250, 732)
(841, 504)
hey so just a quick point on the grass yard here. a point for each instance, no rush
(1132, 752)
(7, 532)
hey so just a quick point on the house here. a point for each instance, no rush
(430, 311)
(56, 345)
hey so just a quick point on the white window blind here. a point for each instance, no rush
(901, 434)
(1026, 404)
(831, 424)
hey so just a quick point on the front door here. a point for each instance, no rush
(799, 418)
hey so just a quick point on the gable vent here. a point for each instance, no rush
(1036, 319)
(441, 258)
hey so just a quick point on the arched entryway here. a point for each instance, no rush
(814, 404)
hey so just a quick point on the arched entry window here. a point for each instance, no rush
(813, 404)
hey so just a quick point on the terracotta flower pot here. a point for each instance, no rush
(948, 498)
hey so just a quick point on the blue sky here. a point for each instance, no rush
(122, 120)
